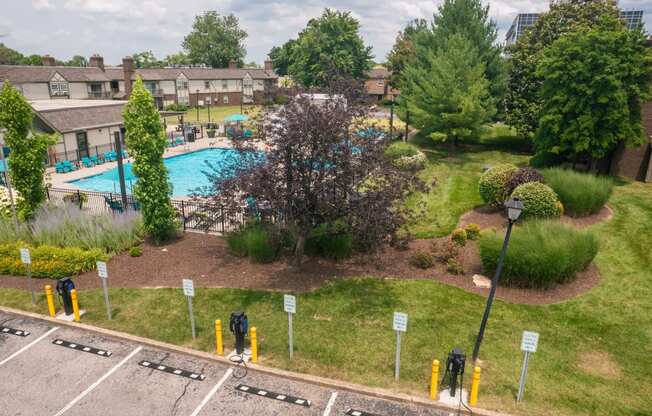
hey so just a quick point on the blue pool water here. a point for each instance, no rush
(185, 172)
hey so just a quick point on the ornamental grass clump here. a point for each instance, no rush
(581, 193)
(541, 254)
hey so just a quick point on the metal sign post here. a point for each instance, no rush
(399, 325)
(529, 344)
(27, 261)
(189, 291)
(103, 273)
(290, 306)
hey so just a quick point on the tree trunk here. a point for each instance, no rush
(298, 251)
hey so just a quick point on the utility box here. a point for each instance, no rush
(64, 286)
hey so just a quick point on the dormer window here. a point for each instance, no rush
(58, 86)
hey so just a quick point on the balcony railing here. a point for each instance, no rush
(100, 94)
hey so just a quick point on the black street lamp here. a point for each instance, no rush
(514, 207)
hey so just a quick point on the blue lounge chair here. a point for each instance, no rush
(125, 155)
(96, 160)
(69, 166)
(87, 162)
(60, 168)
(108, 157)
(178, 141)
(248, 134)
(114, 205)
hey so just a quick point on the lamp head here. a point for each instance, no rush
(514, 208)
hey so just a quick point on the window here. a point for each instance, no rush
(59, 88)
(95, 90)
(225, 99)
(207, 85)
(182, 84)
(115, 86)
(381, 83)
(225, 84)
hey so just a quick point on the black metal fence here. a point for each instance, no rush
(193, 215)
(76, 155)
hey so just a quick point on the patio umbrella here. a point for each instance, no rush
(236, 118)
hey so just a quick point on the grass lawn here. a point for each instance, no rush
(594, 351)
(218, 113)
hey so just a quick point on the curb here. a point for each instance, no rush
(306, 378)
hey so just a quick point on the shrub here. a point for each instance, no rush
(330, 241)
(539, 200)
(546, 159)
(540, 254)
(176, 107)
(281, 99)
(48, 261)
(459, 236)
(521, 176)
(411, 163)
(472, 231)
(444, 249)
(68, 226)
(422, 259)
(454, 266)
(5, 201)
(581, 193)
(135, 251)
(493, 183)
(397, 150)
(259, 241)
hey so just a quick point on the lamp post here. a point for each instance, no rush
(514, 208)
(197, 95)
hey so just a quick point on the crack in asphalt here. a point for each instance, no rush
(185, 390)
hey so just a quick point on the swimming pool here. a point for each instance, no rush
(184, 171)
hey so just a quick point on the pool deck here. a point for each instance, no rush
(59, 180)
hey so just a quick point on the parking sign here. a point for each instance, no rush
(188, 287)
(101, 270)
(529, 341)
(290, 304)
(24, 256)
(400, 321)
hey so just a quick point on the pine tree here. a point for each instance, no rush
(146, 141)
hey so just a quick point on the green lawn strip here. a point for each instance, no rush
(217, 114)
(343, 330)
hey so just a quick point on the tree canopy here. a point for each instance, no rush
(281, 57)
(215, 40)
(329, 48)
(146, 59)
(403, 52)
(593, 83)
(523, 102)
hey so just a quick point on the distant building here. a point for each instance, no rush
(377, 84)
(632, 18)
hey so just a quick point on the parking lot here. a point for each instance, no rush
(58, 370)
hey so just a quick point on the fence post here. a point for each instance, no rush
(222, 217)
(183, 214)
(79, 199)
(47, 192)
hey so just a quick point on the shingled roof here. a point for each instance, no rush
(81, 118)
(159, 74)
(21, 74)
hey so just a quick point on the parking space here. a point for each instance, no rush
(61, 371)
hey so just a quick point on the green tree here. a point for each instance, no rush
(404, 52)
(28, 150)
(593, 84)
(146, 59)
(281, 57)
(146, 141)
(329, 48)
(77, 60)
(448, 98)
(33, 60)
(522, 101)
(215, 40)
(179, 58)
(9, 56)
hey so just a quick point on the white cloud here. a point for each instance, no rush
(42, 4)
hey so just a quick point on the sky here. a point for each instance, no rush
(116, 28)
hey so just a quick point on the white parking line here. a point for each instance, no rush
(28, 346)
(212, 392)
(330, 404)
(97, 383)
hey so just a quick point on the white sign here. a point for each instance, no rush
(24, 256)
(290, 304)
(529, 341)
(188, 287)
(400, 321)
(200, 102)
(101, 270)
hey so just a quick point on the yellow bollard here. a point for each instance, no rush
(254, 345)
(434, 380)
(75, 305)
(50, 298)
(475, 386)
(218, 338)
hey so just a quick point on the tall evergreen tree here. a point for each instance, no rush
(448, 94)
(146, 142)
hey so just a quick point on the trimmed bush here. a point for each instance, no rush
(331, 241)
(459, 236)
(472, 231)
(411, 163)
(422, 260)
(493, 183)
(541, 254)
(48, 261)
(454, 267)
(539, 200)
(581, 193)
(521, 176)
(401, 149)
(444, 249)
(135, 251)
(255, 240)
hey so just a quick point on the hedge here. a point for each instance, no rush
(493, 183)
(49, 261)
(541, 254)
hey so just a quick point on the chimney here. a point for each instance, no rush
(96, 61)
(268, 65)
(233, 64)
(129, 68)
(48, 60)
